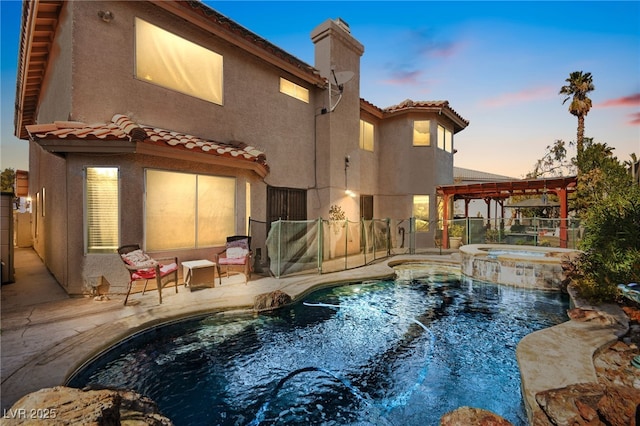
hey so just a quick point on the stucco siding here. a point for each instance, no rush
(254, 110)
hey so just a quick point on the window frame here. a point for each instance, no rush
(289, 88)
(197, 238)
(87, 222)
(194, 82)
(426, 219)
(370, 147)
(445, 138)
(415, 132)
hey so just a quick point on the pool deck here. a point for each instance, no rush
(46, 335)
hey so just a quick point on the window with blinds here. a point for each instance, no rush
(102, 218)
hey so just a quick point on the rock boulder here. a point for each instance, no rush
(269, 301)
(469, 416)
(63, 405)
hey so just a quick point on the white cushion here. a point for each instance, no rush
(236, 252)
(139, 259)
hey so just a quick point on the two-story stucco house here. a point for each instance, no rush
(166, 124)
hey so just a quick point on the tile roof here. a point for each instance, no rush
(123, 128)
(408, 104)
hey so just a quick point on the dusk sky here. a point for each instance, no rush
(499, 64)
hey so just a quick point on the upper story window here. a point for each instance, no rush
(366, 135)
(421, 133)
(290, 88)
(170, 61)
(445, 139)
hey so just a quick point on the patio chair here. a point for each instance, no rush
(236, 255)
(143, 267)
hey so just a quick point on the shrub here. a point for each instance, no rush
(611, 245)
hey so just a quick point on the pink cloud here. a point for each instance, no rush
(520, 97)
(625, 101)
(635, 119)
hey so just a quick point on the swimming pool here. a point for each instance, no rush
(403, 351)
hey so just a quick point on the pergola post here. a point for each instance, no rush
(564, 213)
(445, 221)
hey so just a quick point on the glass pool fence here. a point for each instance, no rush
(319, 246)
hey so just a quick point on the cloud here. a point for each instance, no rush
(625, 101)
(526, 95)
(425, 43)
(635, 119)
(402, 77)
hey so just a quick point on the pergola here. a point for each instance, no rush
(500, 191)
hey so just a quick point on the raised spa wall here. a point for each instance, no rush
(516, 267)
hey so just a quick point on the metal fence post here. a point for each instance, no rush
(412, 235)
(320, 245)
(279, 248)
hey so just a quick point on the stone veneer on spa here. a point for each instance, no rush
(526, 267)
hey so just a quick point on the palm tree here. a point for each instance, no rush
(579, 85)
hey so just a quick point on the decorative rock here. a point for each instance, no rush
(469, 416)
(63, 405)
(619, 405)
(578, 314)
(269, 301)
(590, 404)
(560, 404)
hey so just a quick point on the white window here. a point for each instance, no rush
(440, 137)
(421, 212)
(366, 135)
(448, 140)
(290, 88)
(170, 61)
(102, 217)
(445, 139)
(184, 210)
(421, 133)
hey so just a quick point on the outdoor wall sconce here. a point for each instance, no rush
(105, 15)
(347, 191)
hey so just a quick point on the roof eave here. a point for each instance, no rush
(92, 146)
(459, 122)
(159, 151)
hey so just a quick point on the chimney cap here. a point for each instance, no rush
(343, 24)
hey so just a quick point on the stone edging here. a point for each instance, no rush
(562, 355)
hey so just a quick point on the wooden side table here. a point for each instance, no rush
(200, 272)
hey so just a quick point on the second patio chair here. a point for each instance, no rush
(141, 266)
(236, 255)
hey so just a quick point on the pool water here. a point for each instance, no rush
(397, 352)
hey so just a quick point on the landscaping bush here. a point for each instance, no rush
(611, 245)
